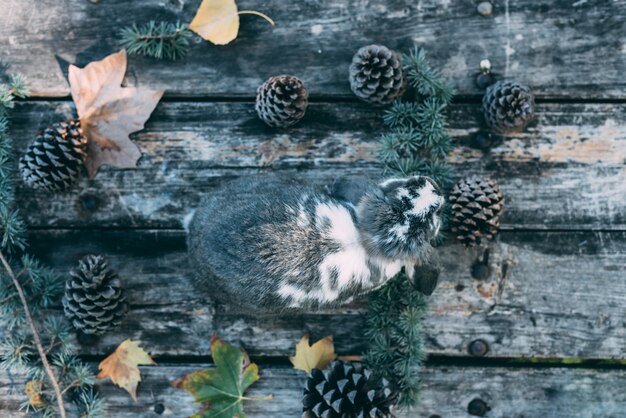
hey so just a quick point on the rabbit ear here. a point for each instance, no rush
(390, 186)
(425, 278)
(425, 275)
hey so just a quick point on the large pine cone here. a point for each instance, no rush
(476, 209)
(55, 159)
(347, 390)
(282, 101)
(94, 299)
(376, 75)
(508, 107)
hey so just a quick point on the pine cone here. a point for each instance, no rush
(94, 299)
(347, 390)
(476, 208)
(282, 101)
(376, 75)
(508, 106)
(55, 158)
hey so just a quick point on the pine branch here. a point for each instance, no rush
(161, 40)
(37, 339)
(426, 80)
(394, 317)
(417, 144)
(25, 288)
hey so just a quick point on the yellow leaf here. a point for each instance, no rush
(121, 366)
(217, 21)
(109, 113)
(33, 390)
(316, 356)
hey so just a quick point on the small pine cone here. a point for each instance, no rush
(55, 158)
(477, 205)
(508, 107)
(347, 390)
(282, 101)
(376, 75)
(94, 299)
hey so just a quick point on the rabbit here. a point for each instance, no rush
(272, 244)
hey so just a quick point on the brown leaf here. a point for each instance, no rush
(121, 366)
(109, 113)
(34, 389)
(217, 21)
(316, 356)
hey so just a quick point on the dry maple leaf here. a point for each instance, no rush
(316, 356)
(109, 113)
(217, 21)
(121, 366)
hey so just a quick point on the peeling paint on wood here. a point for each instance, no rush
(446, 392)
(550, 294)
(190, 148)
(520, 39)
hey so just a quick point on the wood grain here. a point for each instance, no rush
(550, 294)
(447, 391)
(560, 48)
(566, 172)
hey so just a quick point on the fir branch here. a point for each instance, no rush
(37, 339)
(90, 404)
(393, 325)
(18, 85)
(26, 287)
(161, 40)
(426, 80)
(417, 144)
(401, 114)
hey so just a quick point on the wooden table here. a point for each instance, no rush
(553, 311)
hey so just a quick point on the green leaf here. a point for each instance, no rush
(220, 389)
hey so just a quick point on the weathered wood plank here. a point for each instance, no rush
(566, 171)
(553, 46)
(447, 391)
(550, 294)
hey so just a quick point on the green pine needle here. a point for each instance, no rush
(401, 114)
(90, 404)
(18, 85)
(394, 317)
(418, 144)
(161, 40)
(41, 287)
(426, 80)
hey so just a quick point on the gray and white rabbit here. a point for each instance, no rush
(271, 244)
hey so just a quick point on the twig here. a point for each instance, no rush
(36, 338)
(52, 344)
(74, 384)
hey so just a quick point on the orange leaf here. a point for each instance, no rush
(109, 113)
(121, 366)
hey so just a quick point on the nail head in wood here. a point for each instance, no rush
(480, 270)
(159, 409)
(89, 202)
(482, 140)
(477, 407)
(478, 348)
(484, 80)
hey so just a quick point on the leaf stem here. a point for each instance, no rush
(261, 398)
(36, 338)
(254, 12)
